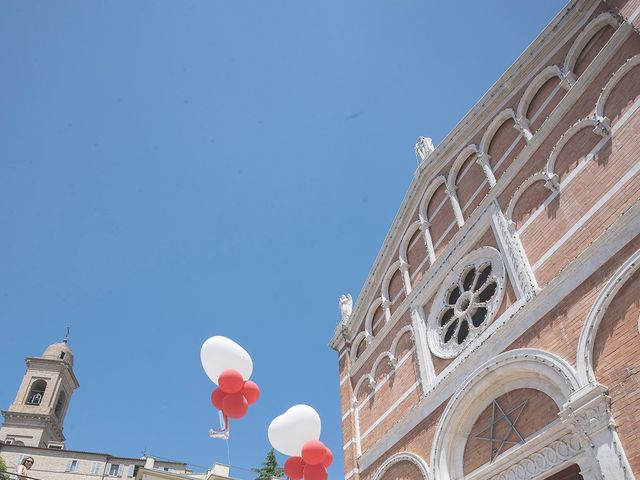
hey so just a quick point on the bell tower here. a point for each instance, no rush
(36, 416)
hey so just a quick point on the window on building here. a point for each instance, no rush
(114, 470)
(62, 398)
(62, 354)
(95, 468)
(37, 392)
(72, 466)
(132, 471)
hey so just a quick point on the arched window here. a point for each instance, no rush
(37, 392)
(59, 410)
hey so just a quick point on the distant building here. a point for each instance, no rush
(33, 426)
(497, 334)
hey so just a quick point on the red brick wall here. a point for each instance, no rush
(616, 362)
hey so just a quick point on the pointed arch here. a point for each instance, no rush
(589, 31)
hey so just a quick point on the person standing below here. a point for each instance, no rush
(24, 467)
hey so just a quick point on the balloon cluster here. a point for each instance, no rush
(296, 433)
(229, 366)
(234, 394)
(313, 463)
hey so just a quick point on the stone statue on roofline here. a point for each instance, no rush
(423, 148)
(346, 307)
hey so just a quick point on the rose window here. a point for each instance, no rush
(466, 302)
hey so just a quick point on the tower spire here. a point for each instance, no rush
(66, 337)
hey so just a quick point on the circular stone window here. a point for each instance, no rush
(465, 304)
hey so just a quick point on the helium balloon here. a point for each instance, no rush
(314, 452)
(291, 430)
(235, 405)
(328, 459)
(251, 391)
(231, 381)
(217, 398)
(294, 468)
(315, 472)
(220, 353)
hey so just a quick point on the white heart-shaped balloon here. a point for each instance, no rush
(221, 353)
(295, 427)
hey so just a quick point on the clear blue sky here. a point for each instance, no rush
(175, 170)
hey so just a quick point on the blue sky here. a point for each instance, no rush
(175, 170)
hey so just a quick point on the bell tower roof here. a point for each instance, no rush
(59, 351)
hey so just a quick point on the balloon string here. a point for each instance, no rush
(228, 453)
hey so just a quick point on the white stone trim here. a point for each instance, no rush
(363, 336)
(368, 322)
(350, 474)
(549, 181)
(585, 218)
(599, 308)
(587, 34)
(492, 128)
(392, 353)
(548, 452)
(368, 381)
(463, 156)
(423, 354)
(522, 278)
(600, 126)
(384, 288)
(347, 414)
(403, 457)
(428, 195)
(619, 74)
(538, 81)
(520, 368)
(511, 325)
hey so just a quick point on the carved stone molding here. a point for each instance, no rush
(543, 460)
(523, 280)
(588, 414)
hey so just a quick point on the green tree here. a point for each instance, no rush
(3, 470)
(269, 468)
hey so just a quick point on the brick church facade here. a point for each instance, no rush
(497, 334)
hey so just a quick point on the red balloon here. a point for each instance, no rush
(231, 381)
(315, 472)
(235, 405)
(328, 459)
(314, 452)
(294, 468)
(251, 391)
(217, 398)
